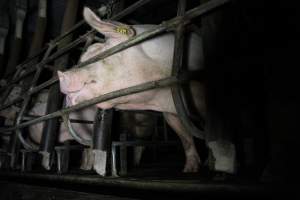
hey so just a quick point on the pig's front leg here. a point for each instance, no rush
(192, 158)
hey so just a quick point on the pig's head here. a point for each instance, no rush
(114, 32)
(81, 84)
(73, 84)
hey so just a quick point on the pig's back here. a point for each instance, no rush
(161, 48)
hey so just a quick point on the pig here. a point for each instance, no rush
(39, 109)
(144, 62)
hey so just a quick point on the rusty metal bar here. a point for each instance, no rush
(150, 85)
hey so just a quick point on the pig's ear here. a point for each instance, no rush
(109, 29)
(94, 21)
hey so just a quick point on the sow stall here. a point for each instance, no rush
(56, 52)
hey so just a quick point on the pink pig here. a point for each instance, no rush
(147, 61)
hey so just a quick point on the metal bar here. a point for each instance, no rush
(63, 158)
(145, 143)
(54, 102)
(151, 85)
(123, 155)
(25, 104)
(101, 140)
(123, 92)
(102, 129)
(79, 121)
(15, 51)
(176, 69)
(114, 171)
(4, 27)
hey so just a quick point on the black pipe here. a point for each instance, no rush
(4, 28)
(102, 129)
(13, 151)
(55, 97)
(15, 51)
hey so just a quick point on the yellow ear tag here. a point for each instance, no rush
(122, 30)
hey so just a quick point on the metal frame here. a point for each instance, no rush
(176, 24)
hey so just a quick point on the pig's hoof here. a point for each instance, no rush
(192, 164)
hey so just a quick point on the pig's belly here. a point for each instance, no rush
(157, 100)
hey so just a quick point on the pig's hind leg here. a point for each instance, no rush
(192, 158)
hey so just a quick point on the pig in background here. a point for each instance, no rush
(148, 61)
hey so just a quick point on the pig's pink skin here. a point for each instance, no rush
(147, 61)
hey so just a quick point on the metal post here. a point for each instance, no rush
(4, 26)
(54, 102)
(123, 155)
(102, 140)
(14, 55)
(176, 71)
(26, 102)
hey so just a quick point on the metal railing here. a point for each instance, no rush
(176, 25)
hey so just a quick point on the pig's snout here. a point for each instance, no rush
(71, 99)
(69, 83)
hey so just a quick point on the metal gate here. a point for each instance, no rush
(51, 53)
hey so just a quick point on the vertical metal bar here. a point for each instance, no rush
(55, 99)
(114, 171)
(4, 28)
(176, 71)
(102, 129)
(14, 56)
(101, 142)
(123, 155)
(179, 41)
(63, 157)
(26, 102)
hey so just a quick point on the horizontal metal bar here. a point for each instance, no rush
(75, 121)
(70, 147)
(123, 92)
(145, 143)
